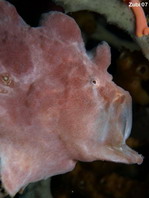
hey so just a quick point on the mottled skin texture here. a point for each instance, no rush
(57, 105)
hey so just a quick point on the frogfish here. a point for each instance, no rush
(58, 105)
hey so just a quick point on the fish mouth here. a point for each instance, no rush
(125, 154)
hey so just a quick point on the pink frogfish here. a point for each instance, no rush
(57, 104)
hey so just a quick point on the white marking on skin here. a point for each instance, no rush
(3, 91)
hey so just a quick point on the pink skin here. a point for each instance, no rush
(57, 105)
(141, 23)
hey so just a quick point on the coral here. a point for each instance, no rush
(141, 21)
(115, 11)
(133, 75)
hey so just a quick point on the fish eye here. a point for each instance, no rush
(94, 82)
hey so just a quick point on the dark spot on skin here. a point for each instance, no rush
(4, 37)
(17, 50)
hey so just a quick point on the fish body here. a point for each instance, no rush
(57, 105)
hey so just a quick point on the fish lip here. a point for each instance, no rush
(128, 127)
(127, 116)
